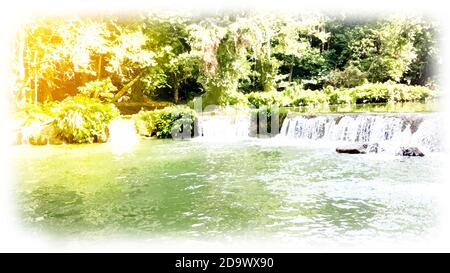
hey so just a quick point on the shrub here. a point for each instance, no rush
(163, 123)
(31, 114)
(351, 76)
(339, 96)
(390, 92)
(83, 120)
(371, 93)
(144, 122)
(258, 99)
(416, 93)
(74, 120)
(36, 125)
(235, 98)
(309, 97)
(102, 89)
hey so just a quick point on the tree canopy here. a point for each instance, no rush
(175, 57)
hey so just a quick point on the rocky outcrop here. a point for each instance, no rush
(102, 138)
(375, 148)
(39, 135)
(410, 151)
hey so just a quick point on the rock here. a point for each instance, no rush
(43, 135)
(19, 137)
(375, 148)
(38, 140)
(102, 138)
(410, 151)
(360, 149)
(357, 149)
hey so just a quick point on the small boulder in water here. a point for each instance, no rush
(410, 151)
(360, 149)
(374, 148)
(356, 149)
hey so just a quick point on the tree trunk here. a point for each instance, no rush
(99, 72)
(99, 67)
(126, 87)
(291, 70)
(176, 92)
(35, 79)
(21, 96)
(21, 57)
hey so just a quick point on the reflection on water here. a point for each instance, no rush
(190, 188)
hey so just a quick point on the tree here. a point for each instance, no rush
(168, 37)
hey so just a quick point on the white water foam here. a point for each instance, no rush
(389, 130)
(223, 127)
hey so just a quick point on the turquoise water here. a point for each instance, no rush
(205, 189)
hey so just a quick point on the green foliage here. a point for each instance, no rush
(83, 120)
(294, 95)
(144, 121)
(163, 123)
(102, 89)
(176, 57)
(384, 49)
(235, 98)
(30, 113)
(258, 99)
(351, 76)
(339, 96)
(309, 97)
(74, 120)
(390, 92)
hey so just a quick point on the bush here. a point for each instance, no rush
(235, 98)
(144, 121)
(32, 114)
(74, 120)
(351, 76)
(163, 123)
(416, 93)
(258, 99)
(102, 89)
(390, 92)
(36, 125)
(84, 120)
(295, 95)
(309, 97)
(339, 96)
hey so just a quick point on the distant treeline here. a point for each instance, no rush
(177, 57)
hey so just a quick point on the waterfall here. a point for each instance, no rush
(408, 129)
(389, 130)
(122, 132)
(223, 127)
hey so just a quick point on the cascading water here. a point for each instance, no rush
(123, 135)
(223, 127)
(389, 130)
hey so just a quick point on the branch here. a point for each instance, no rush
(127, 87)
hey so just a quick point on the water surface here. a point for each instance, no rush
(204, 189)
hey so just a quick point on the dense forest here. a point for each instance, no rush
(178, 57)
(156, 60)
